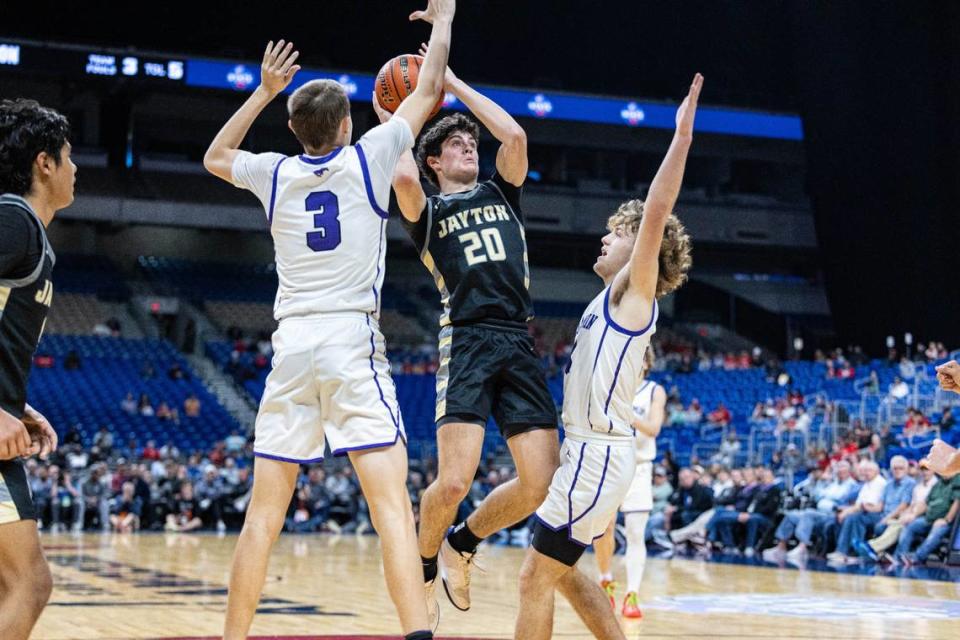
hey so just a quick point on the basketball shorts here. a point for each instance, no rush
(640, 495)
(491, 370)
(16, 502)
(591, 483)
(330, 384)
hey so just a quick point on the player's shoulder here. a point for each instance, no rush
(14, 213)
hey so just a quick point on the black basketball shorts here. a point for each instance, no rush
(488, 369)
(15, 501)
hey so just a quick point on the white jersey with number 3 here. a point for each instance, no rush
(646, 446)
(327, 217)
(605, 369)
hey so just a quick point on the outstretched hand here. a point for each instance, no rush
(435, 9)
(278, 68)
(688, 108)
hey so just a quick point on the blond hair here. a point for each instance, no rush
(675, 249)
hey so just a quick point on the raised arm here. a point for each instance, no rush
(276, 72)
(642, 270)
(512, 155)
(650, 426)
(406, 177)
(416, 107)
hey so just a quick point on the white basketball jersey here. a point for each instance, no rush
(605, 369)
(646, 446)
(328, 220)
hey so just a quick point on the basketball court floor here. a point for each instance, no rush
(165, 586)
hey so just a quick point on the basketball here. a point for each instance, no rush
(397, 79)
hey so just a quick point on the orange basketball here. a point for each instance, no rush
(397, 79)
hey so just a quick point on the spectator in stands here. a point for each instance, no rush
(804, 523)
(719, 416)
(729, 449)
(72, 437)
(907, 369)
(163, 411)
(176, 372)
(191, 406)
(150, 451)
(947, 421)
(729, 504)
(209, 494)
(129, 405)
(725, 490)
(873, 383)
(184, 511)
(94, 499)
(72, 361)
(895, 501)
(756, 518)
(64, 499)
(856, 519)
(694, 413)
(671, 467)
(916, 426)
(687, 503)
(147, 372)
(144, 408)
(898, 389)
(125, 515)
(943, 503)
(235, 442)
(888, 536)
(312, 504)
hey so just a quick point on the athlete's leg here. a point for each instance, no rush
(590, 603)
(459, 446)
(536, 454)
(383, 478)
(539, 576)
(273, 485)
(25, 581)
(603, 548)
(636, 525)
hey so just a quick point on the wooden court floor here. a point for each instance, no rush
(174, 586)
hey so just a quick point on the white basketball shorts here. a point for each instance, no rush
(640, 495)
(330, 384)
(593, 478)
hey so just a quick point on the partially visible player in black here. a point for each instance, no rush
(36, 180)
(471, 239)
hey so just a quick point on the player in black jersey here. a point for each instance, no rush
(36, 180)
(471, 238)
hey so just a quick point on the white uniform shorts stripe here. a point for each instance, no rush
(592, 481)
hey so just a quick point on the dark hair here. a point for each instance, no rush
(316, 110)
(431, 142)
(26, 130)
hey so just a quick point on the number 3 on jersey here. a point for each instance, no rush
(326, 220)
(491, 241)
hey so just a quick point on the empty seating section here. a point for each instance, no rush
(89, 274)
(91, 396)
(75, 314)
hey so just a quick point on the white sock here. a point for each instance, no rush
(606, 577)
(636, 549)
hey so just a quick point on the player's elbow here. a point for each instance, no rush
(515, 137)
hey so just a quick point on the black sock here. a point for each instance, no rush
(464, 540)
(429, 568)
(419, 635)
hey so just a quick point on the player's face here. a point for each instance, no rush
(63, 179)
(458, 158)
(615, 251)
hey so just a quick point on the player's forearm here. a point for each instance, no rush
(649, 428)
(500, 123)
(435, 63)
(234, 131)
(665, 187)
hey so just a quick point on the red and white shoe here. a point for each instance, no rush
(630, 607)
(610, 588)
